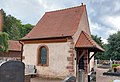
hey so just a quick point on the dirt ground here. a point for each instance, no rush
(37, 79)
(99, 77)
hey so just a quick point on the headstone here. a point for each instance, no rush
(12, 71)
(110, 63)
(30, 69)
(92, 77)
(70, 79)
(96, 63)
(116, 81)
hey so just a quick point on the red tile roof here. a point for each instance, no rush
(14, 45)
(86, 41)
(62, 23)
(58, 23)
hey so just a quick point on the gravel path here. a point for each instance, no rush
(103, 78)
(99, 77)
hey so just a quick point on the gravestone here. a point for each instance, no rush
(116, 81)
(12, 71)
(110, 63)
(70, 79)
(92, 77)
(96, 62)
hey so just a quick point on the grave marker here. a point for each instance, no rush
(12, 71)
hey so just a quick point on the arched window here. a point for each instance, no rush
(43, 56)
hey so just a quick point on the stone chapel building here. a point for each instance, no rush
(60, 44)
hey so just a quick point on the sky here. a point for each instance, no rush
(103, 15)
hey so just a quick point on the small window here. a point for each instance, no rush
(43, 56)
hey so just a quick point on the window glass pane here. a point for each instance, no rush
(43, 55)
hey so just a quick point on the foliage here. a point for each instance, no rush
(112, 49)
(25, 29)
(98, 40)
(3, 42)
(14, 27)
(114, 46)
(11, 26)
(99, 55)
(115, 65)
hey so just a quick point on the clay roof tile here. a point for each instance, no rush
(14, 45)
(57, 23)
(86, 41)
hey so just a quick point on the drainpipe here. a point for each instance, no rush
(21, 50)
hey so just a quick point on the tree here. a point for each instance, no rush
(97, 40)
(14, 27)
(25, 29)
(99, 55)
(11, 26)
(3, 42)
(114, 46)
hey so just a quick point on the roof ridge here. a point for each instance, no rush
(64, 9)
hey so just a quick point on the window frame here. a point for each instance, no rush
(38, 56)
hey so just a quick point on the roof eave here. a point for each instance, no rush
(43, 38)
(92, 48)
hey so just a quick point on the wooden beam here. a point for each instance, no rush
(91, 56)
(84, 51)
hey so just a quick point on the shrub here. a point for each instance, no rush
(115, 65)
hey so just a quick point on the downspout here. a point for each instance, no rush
(21, 50)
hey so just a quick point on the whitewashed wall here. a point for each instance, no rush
(58, 53)
(91, 61)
